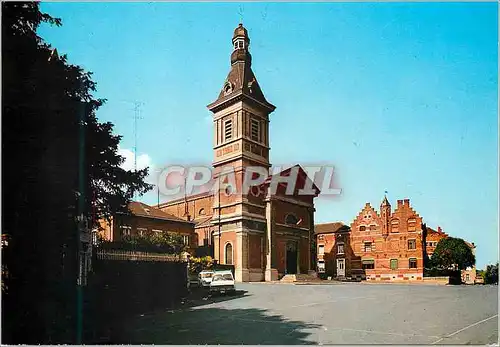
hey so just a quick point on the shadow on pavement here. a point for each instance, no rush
(203, 297)
(215, 326)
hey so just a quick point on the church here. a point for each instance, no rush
(264, 234)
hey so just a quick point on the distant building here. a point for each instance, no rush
(469, 275)
(379, 245)
(146, 220)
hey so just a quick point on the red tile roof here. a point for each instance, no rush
(329, 227)
(203, 222)
(140, 209)
(301, 178)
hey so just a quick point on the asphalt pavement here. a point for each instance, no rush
(349, 313)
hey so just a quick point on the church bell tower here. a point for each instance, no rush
(241, 139)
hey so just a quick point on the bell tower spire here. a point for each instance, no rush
(241, 140)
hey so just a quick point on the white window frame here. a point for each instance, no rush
(157, 231)
(142, 231)
(371, 246)
(338, 248)
(125, 230)
(416, 263)
(185, 239)
(414, 243)
(321, 266)
(321, 247)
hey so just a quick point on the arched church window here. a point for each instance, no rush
(291, 219)
(229, 254)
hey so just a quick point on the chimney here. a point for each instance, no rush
(406, 202)
(439, 229)
(473, 245)
(400, 203)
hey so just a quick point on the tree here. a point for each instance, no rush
(452, 253)
(491, 274)
(44, 98)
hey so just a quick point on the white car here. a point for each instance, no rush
(222, 282)
(204, 278)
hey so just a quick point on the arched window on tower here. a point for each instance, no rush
(229, 254)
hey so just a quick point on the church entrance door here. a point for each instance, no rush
(291, 258)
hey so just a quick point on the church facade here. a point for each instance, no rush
(265, 234)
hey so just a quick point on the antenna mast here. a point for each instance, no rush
(137, 116)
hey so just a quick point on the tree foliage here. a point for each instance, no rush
(491, 274)
(169, 243)
(452, 253)
(196, 265)
(44, 98)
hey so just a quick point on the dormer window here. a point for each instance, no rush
(239, 44)
(228, 88)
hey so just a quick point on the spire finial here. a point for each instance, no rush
(240, 12)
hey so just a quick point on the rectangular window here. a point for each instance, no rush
(321, 249)
(185, 238)
(340, 248)
(368, 264)
(321, 237)
(368, 246)
(255, 134)
(228, 130)
(413, 263)
(412, 244)
(467, 277)
(412, 225)
(125, 230)
(142, 231)
(394, 264)
(321, 266)
(157, 232)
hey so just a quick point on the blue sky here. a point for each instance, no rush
(399, 96)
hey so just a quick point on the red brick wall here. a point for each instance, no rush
(255, 251)
(393, 246)
(224, 239)
(196, 205)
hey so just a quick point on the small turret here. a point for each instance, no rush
(385, 214)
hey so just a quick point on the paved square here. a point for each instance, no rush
(350, 313)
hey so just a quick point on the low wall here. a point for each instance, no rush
(437, 280)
